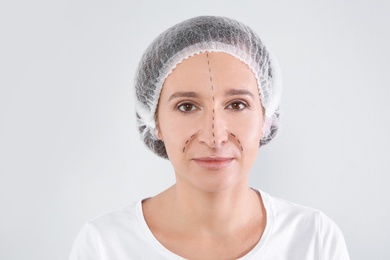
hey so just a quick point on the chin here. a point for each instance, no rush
(217, 181)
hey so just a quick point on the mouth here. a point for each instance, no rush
(213, 163)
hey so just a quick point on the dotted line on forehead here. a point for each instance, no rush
(212, 89)
(213, 118)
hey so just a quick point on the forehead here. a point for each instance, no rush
(221, 69)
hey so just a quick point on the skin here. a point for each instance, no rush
(211, 121)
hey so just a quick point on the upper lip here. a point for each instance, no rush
(212, 158)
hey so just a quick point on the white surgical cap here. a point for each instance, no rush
(199, 35)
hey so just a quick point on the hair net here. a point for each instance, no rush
(194, 36)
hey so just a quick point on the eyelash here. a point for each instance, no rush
(181, 105)
(239, 102)
(193, 107)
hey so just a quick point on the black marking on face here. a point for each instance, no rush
(188, 140)
(212, 89)
(238, 141)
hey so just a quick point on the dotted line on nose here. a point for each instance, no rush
(212, 89)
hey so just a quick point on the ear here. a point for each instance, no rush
(264, 125)
(263, 130)
(158, 134)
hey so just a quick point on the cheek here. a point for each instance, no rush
(176, 134)
(188, 141)
(177, 129)
(235, 138)
(247, 131)
(247, 135)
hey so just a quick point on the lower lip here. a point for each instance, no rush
(214, 164)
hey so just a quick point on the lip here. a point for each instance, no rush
(213, 163)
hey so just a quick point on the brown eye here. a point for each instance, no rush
(237, 105)
(186, 107)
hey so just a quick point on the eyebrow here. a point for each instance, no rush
(237, 92)
(230, 92)
(183, 94)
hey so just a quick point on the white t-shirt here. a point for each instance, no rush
(292, 232)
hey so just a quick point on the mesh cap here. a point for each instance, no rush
(195, 36)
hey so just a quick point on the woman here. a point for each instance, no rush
(208, 93)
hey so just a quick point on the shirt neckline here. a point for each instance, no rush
(152, 240)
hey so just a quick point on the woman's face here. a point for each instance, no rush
(211, 120)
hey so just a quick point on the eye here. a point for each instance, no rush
(237, 105)
(186, 107)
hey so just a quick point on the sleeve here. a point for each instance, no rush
(333, 246)
(85, 246)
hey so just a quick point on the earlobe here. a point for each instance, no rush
(264, 125)
(262, 131)
(158, 134)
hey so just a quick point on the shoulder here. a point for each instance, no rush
(115, 217)
(106, 231)
(122, 221)
(282, 204)
(284, 210)
(305, 226)
(281, 209)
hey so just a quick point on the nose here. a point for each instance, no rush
(214, 129)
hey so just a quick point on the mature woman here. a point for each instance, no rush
(208, 94)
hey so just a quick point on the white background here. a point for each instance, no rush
(69, 148)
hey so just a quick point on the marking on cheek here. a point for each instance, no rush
(212, 89)
(238, 141)
(188, 140)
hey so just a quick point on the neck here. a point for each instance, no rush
(218, 212)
